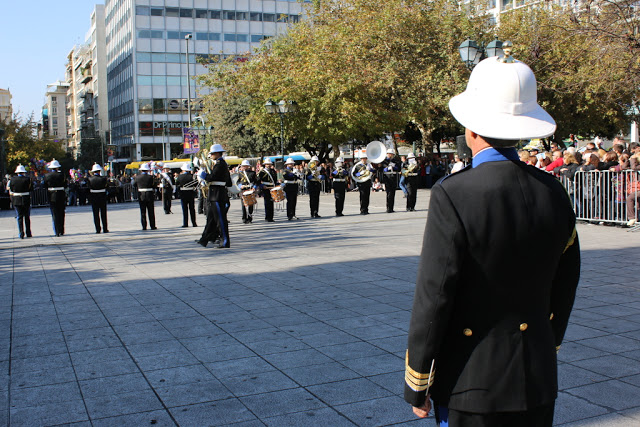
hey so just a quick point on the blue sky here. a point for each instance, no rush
(35, 38)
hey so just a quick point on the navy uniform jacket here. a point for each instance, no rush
(492, 327)
(97, 183)
(339, 175)
(248, 180)
(389, 169)
(20, 184)
(267, 178)
(221, 176)
(55, 179)
(290, 175)
(145, 181)
(183, 179)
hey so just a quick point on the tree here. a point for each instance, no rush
(23, 146)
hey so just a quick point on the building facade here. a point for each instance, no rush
(6, 109)
(54, 112)
(147, 62)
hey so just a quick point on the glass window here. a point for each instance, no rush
(242, 37)
(202, 36)
(215, 14)
(229, 14)
(157, 57)
(144, 80)
(173, 58)
(256, 16)
(157, 11)
(269, 17)
(158, 80)
(186, 13)
(54, 99)
(144, 34)
(143, 10)
(143, 56)
(156, 34)
(202, 13)
(159, 105)
(175, 131)
(173, 35)
(256, 38)
(146, 129)
(294, 18)
(214, 36)
(242, 16)
(172, 11)
(173, 80)
(55, 121)
(145, 105)
(229, 37)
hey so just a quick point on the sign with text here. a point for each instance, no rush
(191, 142)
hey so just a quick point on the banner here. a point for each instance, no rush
(191, 142)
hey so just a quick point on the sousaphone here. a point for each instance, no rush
(376, 152)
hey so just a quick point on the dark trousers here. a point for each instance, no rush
(100, 214)
(146, 208)
(391, 196)
(291, 191)
(167, 195)
(23, 216)
(314, 197)
(339, 189)
(202, 203)
(411, 195)
(188, 208)
(268, 205)
(365, 192)
(210, 232)
(57, 216)
(219, 214)
(537, 417)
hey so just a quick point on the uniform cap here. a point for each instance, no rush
(186, 166)
(54, 164)
(144, 167)
(267, 161)
(245, 162)
(216, 148)
(96, 168)
(289, 161)
(21, 169)
(411, 156)
(391, 151)
(315, 158)
(339, 160)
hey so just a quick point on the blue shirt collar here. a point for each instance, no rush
(492, 154)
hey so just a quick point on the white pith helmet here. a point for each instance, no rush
(21, 169)
(186, 166)
(411, 156)
(54, 164)
(144, 167)
(216, 148)
(96, 168)
(391, 151)
(289, 161)
(245, 162)
(267, 161)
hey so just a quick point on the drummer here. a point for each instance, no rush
(247, 181)
(266, 181)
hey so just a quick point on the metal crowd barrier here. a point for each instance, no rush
(39, 197)
(604, 196)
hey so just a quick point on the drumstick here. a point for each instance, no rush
(430, 373)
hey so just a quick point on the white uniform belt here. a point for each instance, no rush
(339, 180)
(219, 183)
(290, 182)
(145, 189)
(390, 173)
(20, 194)
(98, 191)
(56, 188)
(412, 174)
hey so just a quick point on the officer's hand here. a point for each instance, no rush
(202, 174)
(423, 411)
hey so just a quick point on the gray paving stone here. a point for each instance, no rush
(166, 360)
(571, 351)
(109, 368)
(315, 417)
(348, 391)
(240, 367)
(198, 392)
(375, 412)
(281, 402)
(155, 418)
(43, 377)
(118, 384)
(222, 412)
(612, 366)
(29, 364)
(221, 353)
(50, 414)
(262, 382)
(612, 343)
(155, 348)
(374, 365)
(43, 395)
(277, 346)
(577, 332)
(293, 359)
(111, 405)
(613, 394)
(319, 374)
(608, 420)
(179, 375)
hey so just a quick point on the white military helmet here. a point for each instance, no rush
(144, 167)
(245, 162)
(216, 148)
(21, 169)
(339, 160)
(363, 154)
(96, 168)
(54, 164)
(186, 166)
(289, 161)
(159, 164)
(315, 158)
(391, 151)
(267, 161)
(411, 156)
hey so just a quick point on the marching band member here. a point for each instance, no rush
(364, 188)
(247, 181)
(54, 181)
(391, 167)
(20, 187)
(339, 185)
(314, 178)
(98, 198)
(167, 185)
(290, 181)
(146, 197)
(266, 180)
(187, 184)
(218, 180)
(410, 172)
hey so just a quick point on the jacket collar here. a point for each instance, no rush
(491, 154)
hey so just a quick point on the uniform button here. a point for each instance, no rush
(523, 327)
(467, 332)
(551, 317)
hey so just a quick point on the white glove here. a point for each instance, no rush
(202, 174)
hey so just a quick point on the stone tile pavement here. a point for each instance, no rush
(300, 323)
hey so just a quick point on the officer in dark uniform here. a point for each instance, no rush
(247, 180)
(290, 181)
(410, 171)
(390, 168)
(146, 197)
(98, 198)
(55, 183)
(483, 336)
(361, 169)
(167, 183)
(339, 176)
(218, 180)
(187, 185)
(266, 180)
(314, 176)
(20, 188)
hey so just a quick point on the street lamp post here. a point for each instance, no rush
(281, 108)
(471, 54)
(187, 38)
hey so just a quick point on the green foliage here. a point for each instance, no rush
(90, 152)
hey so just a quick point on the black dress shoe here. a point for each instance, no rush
(97, 231)
(144, 228)
(339, 214)
(154, 228)
(203, 244)
(105, 231)
(185, 226)
(21, 236)
(195, 225)
(29, 235)
(269, 220)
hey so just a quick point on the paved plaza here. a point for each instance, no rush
(300, 323)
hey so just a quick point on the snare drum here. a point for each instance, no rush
(277, 194)
(249, 198)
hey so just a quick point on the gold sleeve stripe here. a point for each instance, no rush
(557, 349)
(416, 387)
(409, 379)
(413, 373)
(572, 239)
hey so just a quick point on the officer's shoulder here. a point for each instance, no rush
(453, 177)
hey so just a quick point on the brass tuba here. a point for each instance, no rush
(409, 169)
(363, 170)
(313, 168)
